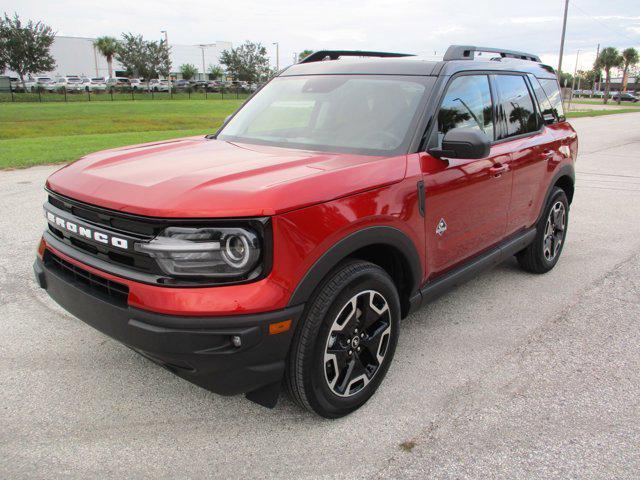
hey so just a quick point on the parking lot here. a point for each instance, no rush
(511, 375)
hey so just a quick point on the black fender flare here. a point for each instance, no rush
(377, 235)
(564, 171)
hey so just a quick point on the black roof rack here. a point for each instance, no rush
(335, 54)
(466, 52)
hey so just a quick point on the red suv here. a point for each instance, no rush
(285, 248)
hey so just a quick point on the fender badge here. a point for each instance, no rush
(442, 227)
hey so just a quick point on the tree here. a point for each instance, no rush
(108, 47)
(215, 72)
(630, 58)
(565, 79)
(131, 54)
(141, 58)
(304, 54)
(157, 59)
(25, 48)
(248, 62)
(609, 58)
(188, 71)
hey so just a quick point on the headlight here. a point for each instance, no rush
(205, 252)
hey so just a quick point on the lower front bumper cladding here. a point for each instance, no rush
(202, 350)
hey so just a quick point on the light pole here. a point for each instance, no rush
(166, 44)
(277, 55)
(202, 47)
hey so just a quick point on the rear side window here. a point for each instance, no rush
(552, 90)
(516, 110)
(467, 103)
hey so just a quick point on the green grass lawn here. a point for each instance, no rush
(43, 133)
(593, 101)
(57, 132)
(599, 113)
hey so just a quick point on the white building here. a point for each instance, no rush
(77, 56)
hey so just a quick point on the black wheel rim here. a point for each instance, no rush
(554, 231)
(357, 343)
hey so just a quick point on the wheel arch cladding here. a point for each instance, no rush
(565, 182)
(387, 247)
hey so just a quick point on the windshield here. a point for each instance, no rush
(366, 114)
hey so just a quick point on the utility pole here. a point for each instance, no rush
(277, 55)
(596, 84)
(573, 82)
(564, 30)
(166, 44)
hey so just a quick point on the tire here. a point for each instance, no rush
(331, 368)
(544, 252)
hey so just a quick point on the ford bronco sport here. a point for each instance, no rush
(285, 248)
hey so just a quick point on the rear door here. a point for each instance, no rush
(467, 200)
(521, 130)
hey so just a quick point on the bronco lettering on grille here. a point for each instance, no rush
(86, 232)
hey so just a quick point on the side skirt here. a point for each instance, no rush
(478, 264)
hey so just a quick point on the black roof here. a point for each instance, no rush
(457, 59)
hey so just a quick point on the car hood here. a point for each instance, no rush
(199, 177)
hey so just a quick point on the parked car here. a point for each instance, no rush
(624, 97)
(15, 84)
(200, 84)
(137, 84)
(182, 84)
(157, 85)
(98, 84)
(287, 247)
(69, 83)
(215, 85)
(33, 84)
(86, 84)
(114, 83)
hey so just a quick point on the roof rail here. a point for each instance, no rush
(466, 52)
(335, 54)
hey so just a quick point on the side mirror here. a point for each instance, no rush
(226, 119)
(463, 142)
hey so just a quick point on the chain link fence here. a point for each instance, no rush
(64, 94)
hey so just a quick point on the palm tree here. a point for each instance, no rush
(107, 46)
(609, 58)
(630, 58)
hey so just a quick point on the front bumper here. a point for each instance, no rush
(198, 349)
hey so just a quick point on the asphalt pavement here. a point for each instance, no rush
(511, 375)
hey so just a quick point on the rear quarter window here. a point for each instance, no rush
(551, 89)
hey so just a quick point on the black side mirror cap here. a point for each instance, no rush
(463, 142)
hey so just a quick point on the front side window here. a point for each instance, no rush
(467, 103)
(516, 109)
(365, 114)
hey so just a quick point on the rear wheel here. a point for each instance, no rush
(346, 340)
(544, 252)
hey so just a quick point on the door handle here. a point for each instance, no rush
(498, 169)
(548, 154)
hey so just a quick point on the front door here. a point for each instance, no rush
(467, 200)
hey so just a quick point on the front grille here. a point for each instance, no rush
(105, 289)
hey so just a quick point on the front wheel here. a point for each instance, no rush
(345, 341)
(544, 252)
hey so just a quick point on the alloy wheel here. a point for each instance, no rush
(357, 343)
(554, 231)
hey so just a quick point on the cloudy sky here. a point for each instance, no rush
(425, 27)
